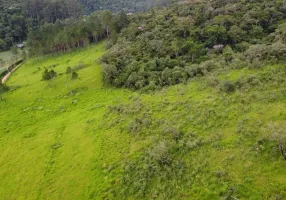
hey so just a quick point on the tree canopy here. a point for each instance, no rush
(169, 46)
(17, 17)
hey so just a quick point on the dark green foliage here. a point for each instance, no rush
(13, 25)
(3, 88)
(80, 66)
(278, 134)
(68, 34)
(119, 5)
(17, 17)
(170, 46)
(227, 87)
(160, 167)
(74, 75)
(68, 70)
(158, 164)
(48, 75)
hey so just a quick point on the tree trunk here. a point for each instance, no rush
(282, 151)
(95, 38)
(107, 32)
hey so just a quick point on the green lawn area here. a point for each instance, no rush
(71, 139)
(53, 145)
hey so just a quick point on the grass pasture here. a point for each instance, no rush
(79, 139)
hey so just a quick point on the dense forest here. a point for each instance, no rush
(188, 40)
(156, 48)
(17, 18)
(168, 46)
(72, 33)
(125, 5)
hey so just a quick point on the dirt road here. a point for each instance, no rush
(5, 78)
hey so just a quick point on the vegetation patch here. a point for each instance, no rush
(48, 74)
(189, 103)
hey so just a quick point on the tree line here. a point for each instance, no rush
(17, 17)
(67, 34)
(125, 5)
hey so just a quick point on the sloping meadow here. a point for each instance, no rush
(210, 138)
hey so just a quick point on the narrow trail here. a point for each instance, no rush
(5, 78)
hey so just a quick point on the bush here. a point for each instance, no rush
(161, 153)
(227, 53)
(278, 134)
(3, 88)
(256, 52)
(212, 81)
(227, 87)
(68, 70)
(157, 163)
(74, 75)
(238, 63)
(278, 50)
(48, 75)
(80, 66)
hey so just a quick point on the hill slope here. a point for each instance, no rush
(77, 139)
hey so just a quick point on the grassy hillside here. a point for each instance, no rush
(50, 139)
(78, 139)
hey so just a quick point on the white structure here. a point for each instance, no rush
(20, 46)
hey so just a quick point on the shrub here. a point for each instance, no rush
(68, 70)
(227, 87)
(157, 163)
(212, 81)
(278, 50)
(256, 52)
(253, 80)
(240, 82)
(3, 88)
(161, 153)
(278, 134)
(48, 75)
(80, 66)
(243, 46)
(238, 62)
(74, 75)
(109, 73)
(174, 133)
(227, 53)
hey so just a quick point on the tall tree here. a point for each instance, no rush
(107, 22)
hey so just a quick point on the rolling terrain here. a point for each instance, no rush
(80, 139)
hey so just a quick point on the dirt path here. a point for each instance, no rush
(5, 78)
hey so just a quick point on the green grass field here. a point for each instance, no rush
(73, 139)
